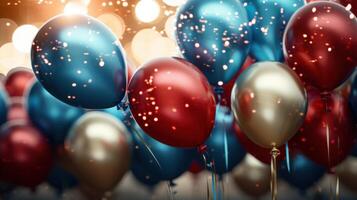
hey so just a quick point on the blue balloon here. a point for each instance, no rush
(3, 106)
(53, 117)
(143, 176)
(268, 19)
(61, 179)
(353, 96)
(159, 160)
(223, 147)
(80, 61)
(304, 172)
(214, 35)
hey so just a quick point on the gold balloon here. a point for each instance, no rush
(347, 173)
(252, 177)
(97, 150)
(269, 103)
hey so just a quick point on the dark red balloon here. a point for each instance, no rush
(346, 3)
(25, 156)
(18, 80)
(173, 102)
(196, 167)
(227, 88)
(17, 110)
(260, 153)
(320, 44)
(328, 133)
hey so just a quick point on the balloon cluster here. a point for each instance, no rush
(84, 123)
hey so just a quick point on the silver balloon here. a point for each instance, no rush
(269, 102)
(98, 151)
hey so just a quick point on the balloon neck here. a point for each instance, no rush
(219, 91)
(325, 97)
(274, 176)
(202, 149)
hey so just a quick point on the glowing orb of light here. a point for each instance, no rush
(114, 22)
(147, 10)
(75, 7)
(23, 37)
(174, 2)
(10, 58)
(170, 27)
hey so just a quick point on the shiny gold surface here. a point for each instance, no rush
(269, 103)
(98, 150)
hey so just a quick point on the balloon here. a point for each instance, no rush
(17, 110)
(49, 114)
(172, 102)
(353, 96)
(304, 172)
(347, 174)
(227, 88)
(269, 103)
(3, 105)
(268, 19)
(144, 176)
(223, 147)
(25, 155)
(159, 160)
(252, 177)
(345, 3)
(320, 44)
(196, 166)
(328, 133)
(60, 179)
(214, 36)
(18, 80)
(98, 150)
(79, 61)
(260, 153)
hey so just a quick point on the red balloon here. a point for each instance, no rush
(227, 88)
(260, 153)
(18, 81)
(173, 102)
(320, 44)
(17, 110)
(328, 133)
(195, 167)
(352, 3)
(25, 155)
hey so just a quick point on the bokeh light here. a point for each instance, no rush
(170, 27)
(23, 37)
(75, 7)
(10, 58)
(174, 2)
(147, 10)
(7, 27)
(114, 22)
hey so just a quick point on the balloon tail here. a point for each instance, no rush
(287, 156)
(328, 143)
(274, 178)
(169, 189)
(337, 188)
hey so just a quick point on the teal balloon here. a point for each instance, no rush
(53, 117)
(144, 176)
(60, 179)
(158, 160)
(304, 172)
(268, 19)
(80, 61)
(214, 35)
(223, 147)
(3, 106)
(353, 96)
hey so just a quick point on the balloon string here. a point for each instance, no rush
(287, 155)
(337, 188)
(156, 160)
(328, 143)
(273, 170)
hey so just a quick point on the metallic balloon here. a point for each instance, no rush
(98, 150)
(304, 172)
(320, 44)
(223, 148)
(346, 3)
(252, 177)
(60, 179)
(49, 114)
(80, 61)
(160, 161)
(347, 173)
(268, 19)
(17, 110)
(173, 102)
(269, 102)
(18, 80)
(144, 176)
(26, 157)
(3, 105)
(214, 36)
